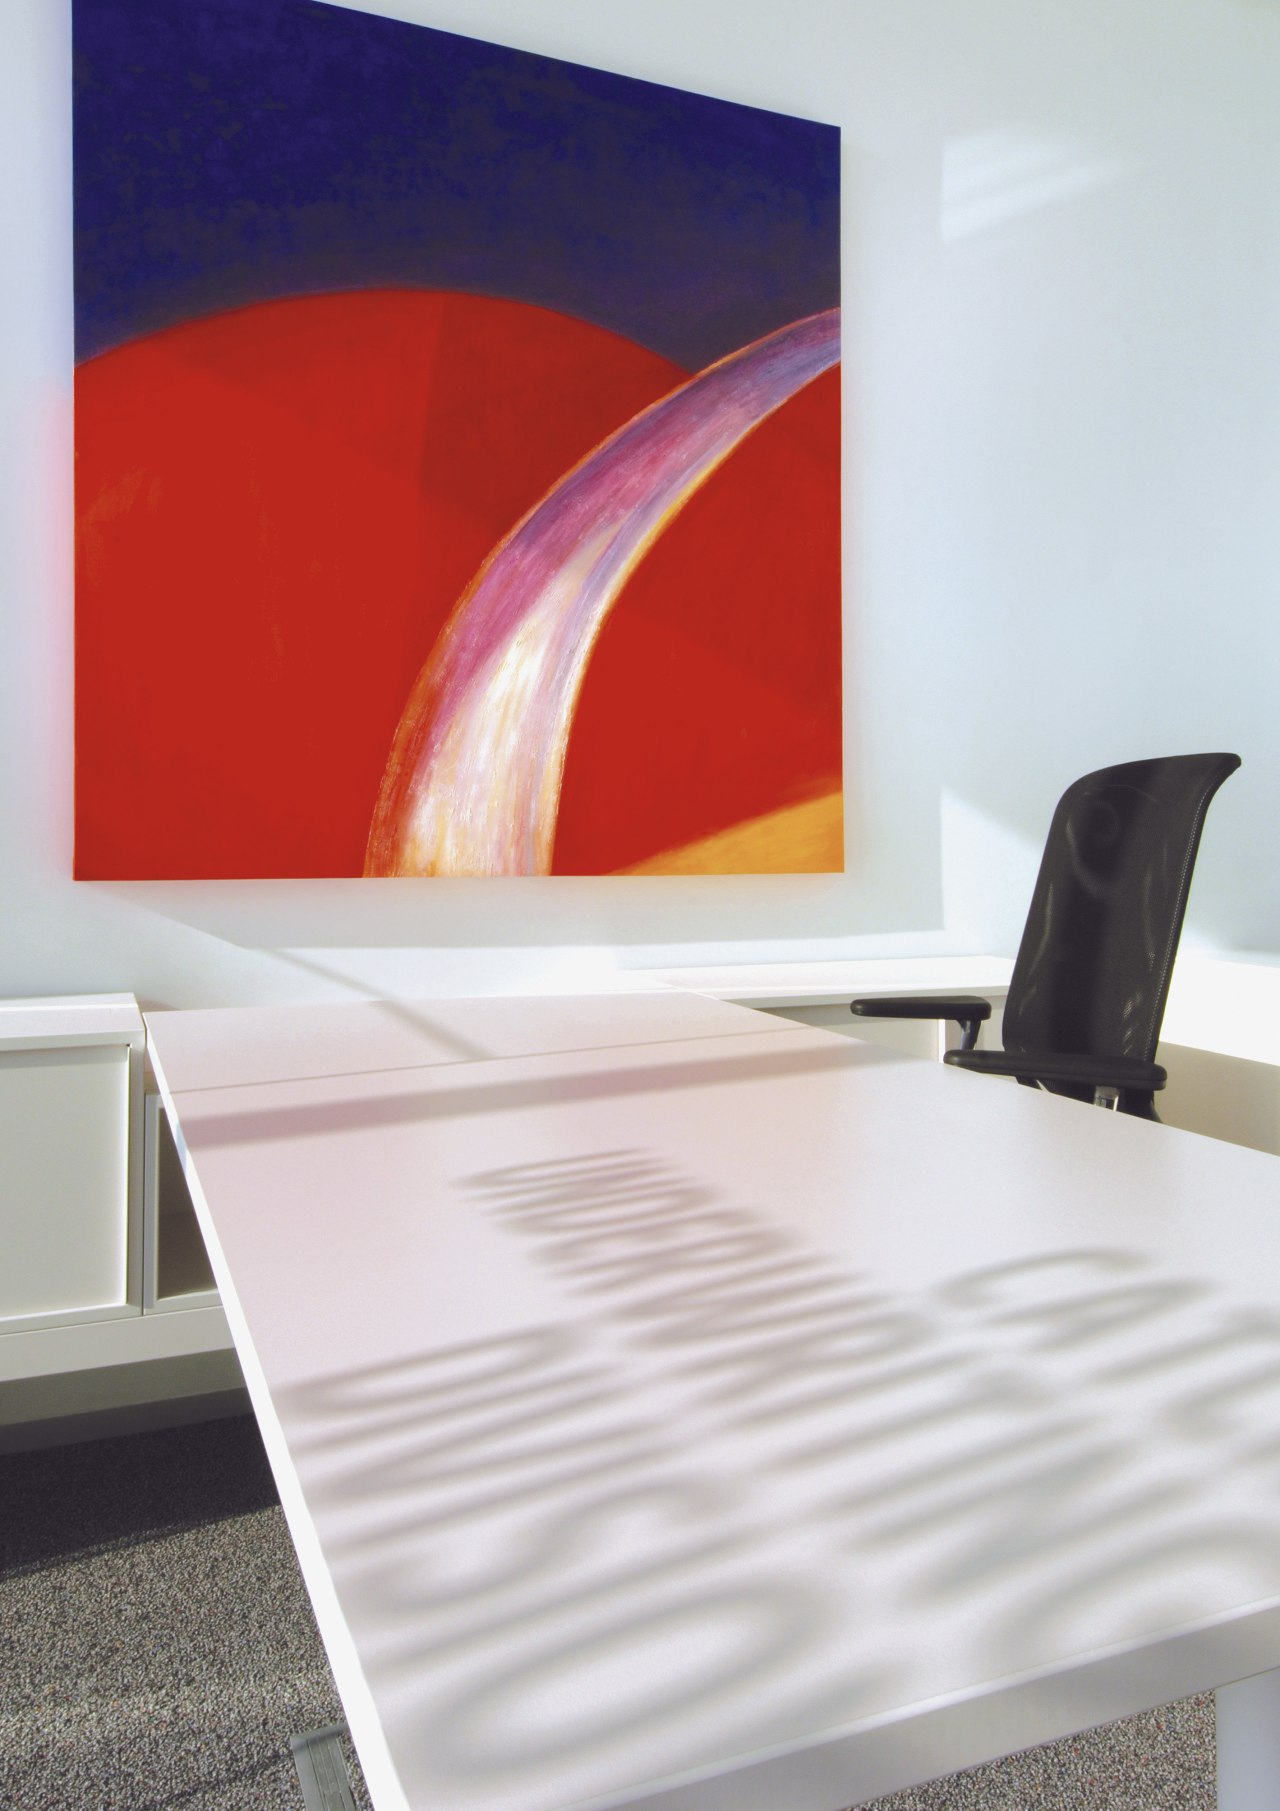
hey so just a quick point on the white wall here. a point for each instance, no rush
(1062, 289)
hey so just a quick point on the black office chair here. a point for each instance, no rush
(1088, 991)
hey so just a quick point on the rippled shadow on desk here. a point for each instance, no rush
(774, 1500)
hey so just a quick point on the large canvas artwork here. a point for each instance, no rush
(457, 459)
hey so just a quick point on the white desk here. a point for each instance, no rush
(677, 1408)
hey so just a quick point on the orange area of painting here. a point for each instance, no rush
(799, 839)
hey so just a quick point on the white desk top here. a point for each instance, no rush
(677, 1408)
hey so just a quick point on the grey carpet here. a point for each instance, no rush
(157, 1643)
(157, 1650)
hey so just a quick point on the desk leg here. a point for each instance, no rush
(322, 1771)
(1248, 1718)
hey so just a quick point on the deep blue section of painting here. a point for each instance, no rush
(231, 151)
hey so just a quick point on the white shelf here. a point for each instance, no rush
(176, 1276)
(836, 983)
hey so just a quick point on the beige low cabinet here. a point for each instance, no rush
(71, 1091)
(103, 1275)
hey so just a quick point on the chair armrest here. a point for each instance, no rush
(960, 1007)
(1087, 1071)
(967, 1010)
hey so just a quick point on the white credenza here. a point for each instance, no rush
(106, 1299)
(818, 993)
(1218, 1045)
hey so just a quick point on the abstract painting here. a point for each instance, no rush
(457, 458)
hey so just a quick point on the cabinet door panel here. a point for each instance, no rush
(64, 1180)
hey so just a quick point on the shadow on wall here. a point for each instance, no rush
(521, 912)
(990, 860)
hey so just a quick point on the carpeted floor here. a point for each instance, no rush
(157, 1650)
(158, 1644)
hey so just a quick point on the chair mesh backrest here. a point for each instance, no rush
(1093, 967)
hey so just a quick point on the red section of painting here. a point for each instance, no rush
(277, 509)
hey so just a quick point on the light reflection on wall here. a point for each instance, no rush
(989, 178)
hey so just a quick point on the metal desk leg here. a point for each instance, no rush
(1248, 1716)
(322, 1770)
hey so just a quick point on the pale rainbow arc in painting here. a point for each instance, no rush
(472, 785)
